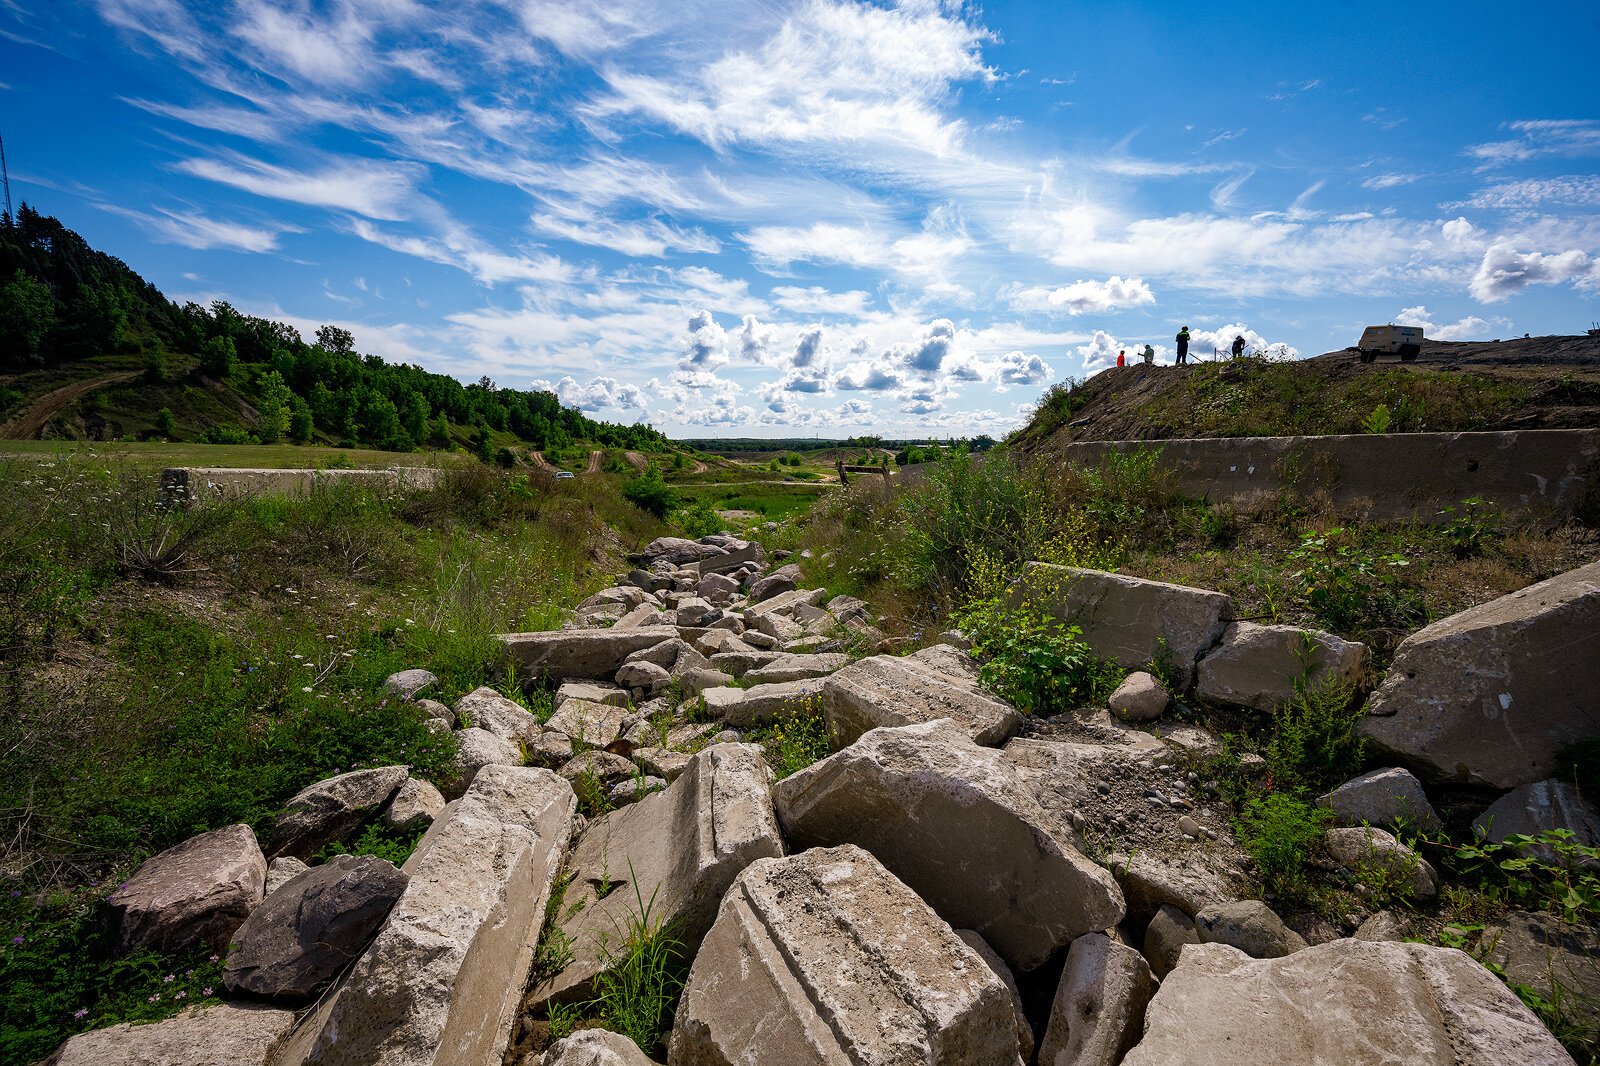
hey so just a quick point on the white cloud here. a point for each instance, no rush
(651, 238)
(1082, 297)
(1470, 327)
(1506, 271)
(1019, 368)
(1389, 181)
(195, 230)
(596, 394)
(1542, 137)
(816, 300)
(1458, 230)
(1535, 193)
(374, 188)
(1221, 340)
(1100, 352)
(706, 343)
(755, 341)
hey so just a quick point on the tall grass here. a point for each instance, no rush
(148, 694)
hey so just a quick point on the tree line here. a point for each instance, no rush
(62, 301)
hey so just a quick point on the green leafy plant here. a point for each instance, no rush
(1350, 588)
(1549, 871)
(1315, 741)
(1032, 659)
(1469, 527)
(1281, 833)
(1378, 421)
(798, 738)
(642, 975)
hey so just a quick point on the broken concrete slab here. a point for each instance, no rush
(679, 849)
(742, 708)
(194, 893)
(1262, 667)
(1347, 1001)
(1128, 620)
(828, 957)
(958, 824)
(886, 691)
(440, 983)
(218, 1034)
(1098, 1010)
(584, 654)
(333, 808)
(1487, 696)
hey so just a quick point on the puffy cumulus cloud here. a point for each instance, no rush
(706, 343)
(1505, 271)
(1020, 368)
(1469, 328)
(755, 341)
(929, 351)
(1100, 352)
(596, 394)
(854, 409)
(809, 351)
(869, 375)
(1098, 296)
(1457, 230)
(700, 398)
(1221, 340)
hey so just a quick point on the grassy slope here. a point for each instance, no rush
(147, 694)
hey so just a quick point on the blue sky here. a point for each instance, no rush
(776, 218)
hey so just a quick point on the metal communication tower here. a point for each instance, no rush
(5, 178)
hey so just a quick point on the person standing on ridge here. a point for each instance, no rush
(1238, 347)
(1122, 359)
(1183, 346)
(1148, 355)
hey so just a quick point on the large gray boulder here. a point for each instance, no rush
(887, 691)
(760, 704)
(1018, 1009)
(1249, 925)
(1558, 960)
(1128, 620)
(1487, 696)
(785, 578)
(217, 1034)
(1377, 854)
(1347, 1001)
(594, 1047)
(1386, 797)
(484, 708)
(441, 982)
(592, 724)
(476, 749)
(304, 934)
(414, 806)
(958, 824)
(595, 654)
(1099, 1005)
(677, 550)
(193, 894)
(677, 850)
(1260, 666)
(407, 683)
(332, 809)
(737, 555)
(796, 668)
(1529, 810)
(827, 957)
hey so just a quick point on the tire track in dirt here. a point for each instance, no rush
(595, 459)
(27, 425)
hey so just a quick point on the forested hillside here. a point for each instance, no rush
(149, 367)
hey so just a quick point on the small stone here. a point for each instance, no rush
(1188, 826)
(1140, 698)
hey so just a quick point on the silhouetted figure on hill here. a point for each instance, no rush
(1183, 346)
(1238, 347)
(1148, 355)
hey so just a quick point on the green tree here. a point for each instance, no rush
(164, 422)
(301, 423)
(334, 339)
(27, 311)
(273, 405)
(218, 357)
(155, 366)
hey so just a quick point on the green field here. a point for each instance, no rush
(774, 501)
(274, 456)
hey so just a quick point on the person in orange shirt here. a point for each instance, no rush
(1122, 359)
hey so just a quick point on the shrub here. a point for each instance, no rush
(1281, 833)
(1351, 589)
(797, 739)
(1315, 742)
(1037, 662)
(650, 492)
(698, 520)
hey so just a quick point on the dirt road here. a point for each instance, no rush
(541, 462)
(27, 425)
(595, 459)
(640, 463)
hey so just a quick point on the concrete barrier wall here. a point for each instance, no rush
(1542, 473)
(197, 484)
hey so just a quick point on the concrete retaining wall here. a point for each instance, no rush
(1539, 473)
(197, 484)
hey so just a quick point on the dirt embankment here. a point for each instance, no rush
(1526, 383)
(28, 424)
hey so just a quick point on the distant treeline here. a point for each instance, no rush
(62, 302)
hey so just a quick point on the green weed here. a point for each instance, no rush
(1281, 834)
(643, 975)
